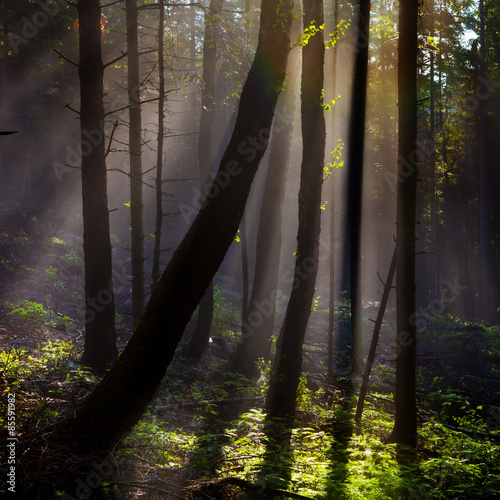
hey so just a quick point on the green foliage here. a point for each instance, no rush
(308, 33)
(336, 162)
(225, 316)
(36, 314)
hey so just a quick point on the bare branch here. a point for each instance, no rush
(72, 109)
(111, 138)
(65, 58)
(124, 54)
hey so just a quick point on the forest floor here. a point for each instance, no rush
(204, 437)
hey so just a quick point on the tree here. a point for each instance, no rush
(352, 257)
(258, 322)
(199, 341)
(331, 283)
(100, 336)
(155, 273)
(287, 366)
(135, 149)
(128, 387)
(405, 425)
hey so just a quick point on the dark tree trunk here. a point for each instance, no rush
(331, 283)
(199, 341)
(126, 390)
(100, 336)
(135, 149)
(352, 256)
(244, 269)
(288, 362)
(155, 273)
(434, 208)
(483, 189)
(258, 324)
(405, 426)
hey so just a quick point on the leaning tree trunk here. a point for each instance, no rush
(405, 426)
(199, 341)
(118, 402)
(288, 362)
(258, 323)
(100, 336)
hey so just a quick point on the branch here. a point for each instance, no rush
(72, 109)
(111, 3)
(8, 132)
(65, 58)
(111, 138)
(247, 485)
(124, 54)
(141, 102)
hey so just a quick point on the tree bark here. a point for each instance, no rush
(119, 400)
(405, 426)
(100, 336)
(258, 323)
(135, 149)
(199, 341)
(155, 272)
(483, 202)
(352, 255)
(331, 283)
(287, 366)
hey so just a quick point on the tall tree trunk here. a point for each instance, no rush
(155, 273)
(287, 366)
(258, 324)
(135, 149)
(128, 387)
(405, 426)
(100, 336)
(331, 294)
(355, 182)
(434, 212)
(199, 341)
(244, 269)
(483, 204)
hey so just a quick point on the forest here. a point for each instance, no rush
(249, 250)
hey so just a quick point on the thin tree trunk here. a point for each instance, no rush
(258, 324)
(434, 213)
(375, 337)
(355, 182)
(287, 366)
(244, 268)
(155, 273)
(331, 295)
(100, 336)
(199, 341)
(135, 149)
(483, 205)
(405, 426)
